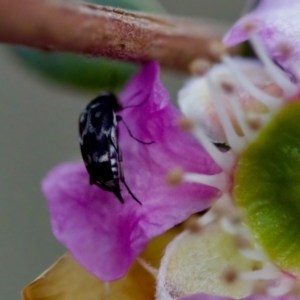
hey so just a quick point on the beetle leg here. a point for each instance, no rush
(129, 191)
(120, 155)
(122, 178)
(119, 118)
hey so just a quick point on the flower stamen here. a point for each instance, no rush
(106, 288)
(237, 126)
(275, 72)
(242, 242)
(268, 100)
(223, 160)
(207, 218)
(236, 142)
(153, 271)
(284, 286)
(239, 114)
(228, 226)
(219, 181)
(254, 254)
(268, 272)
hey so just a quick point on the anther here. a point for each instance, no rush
(185, 123)
(227, 87)
(285, 50)
(295, 288)
(193, 225)
(230, 275)
(217, 49)
(255, 121)
(174, 177)
(199, 66)
(250, 27)
(242, 242)
(260, 287)
(240, 117)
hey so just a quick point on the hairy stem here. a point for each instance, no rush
(88, 29)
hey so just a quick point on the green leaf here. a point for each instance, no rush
(83, 72)
(267, 187)
(140, 5)
(78, 71)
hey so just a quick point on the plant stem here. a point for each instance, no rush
(94, 30)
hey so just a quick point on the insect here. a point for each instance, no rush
(98, 131)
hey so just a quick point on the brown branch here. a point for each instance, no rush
(89, 29)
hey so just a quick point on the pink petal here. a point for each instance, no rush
(104, 235)
(277, 22)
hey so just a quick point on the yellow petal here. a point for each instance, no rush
(155, 249)
(67, 280)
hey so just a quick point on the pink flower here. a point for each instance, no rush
(278, 25)
(105, 236)
(238, 105)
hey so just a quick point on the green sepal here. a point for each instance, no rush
(267, 188)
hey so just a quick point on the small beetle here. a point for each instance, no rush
(98, 131)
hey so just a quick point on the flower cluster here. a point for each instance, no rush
(233, 150)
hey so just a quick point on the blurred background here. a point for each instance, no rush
(38, 129)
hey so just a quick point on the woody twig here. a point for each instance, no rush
(94, 30)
